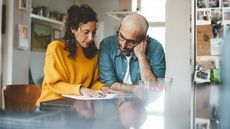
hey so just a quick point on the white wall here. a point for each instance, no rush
(178, 63)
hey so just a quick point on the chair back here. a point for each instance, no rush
(21, 97)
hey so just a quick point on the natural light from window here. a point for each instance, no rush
(154, 11)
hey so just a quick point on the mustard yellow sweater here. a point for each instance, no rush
(63, 75)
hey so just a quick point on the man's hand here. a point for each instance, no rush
(90, 93)
(108, 90)
(122, 87)
(144, 65)
(140, 49)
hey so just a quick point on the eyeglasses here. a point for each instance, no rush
(128, 41)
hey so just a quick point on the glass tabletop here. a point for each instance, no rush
(206, 106)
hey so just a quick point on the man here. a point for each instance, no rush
(131, 56)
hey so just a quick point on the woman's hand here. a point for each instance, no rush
(91, 93)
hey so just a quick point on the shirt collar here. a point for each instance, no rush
(118, 53)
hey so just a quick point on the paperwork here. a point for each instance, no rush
(108, 96)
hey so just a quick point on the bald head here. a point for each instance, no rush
(135, 23)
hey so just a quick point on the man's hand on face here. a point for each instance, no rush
(140, 49)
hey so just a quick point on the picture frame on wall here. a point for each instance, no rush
(41, 36)
(23, 4)
(202, 4)
(203, 17)
(23, 36)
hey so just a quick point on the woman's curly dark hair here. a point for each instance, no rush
(78, 15)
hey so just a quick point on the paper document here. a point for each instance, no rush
(108, 96)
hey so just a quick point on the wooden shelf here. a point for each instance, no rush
(34, 16)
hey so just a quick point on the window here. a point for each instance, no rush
(154, 11)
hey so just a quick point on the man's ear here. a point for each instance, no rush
(146, 37)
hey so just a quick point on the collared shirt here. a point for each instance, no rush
(113, 65)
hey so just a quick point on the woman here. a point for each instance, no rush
(71, 64)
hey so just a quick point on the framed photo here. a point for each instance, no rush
(203, 17)
(56, 34)
(202, 74)
(202, 3)
(41, 36)
(23, 42)
(23, 4)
